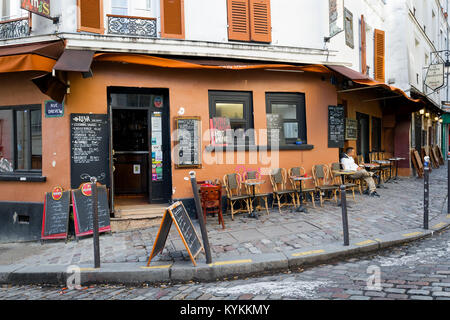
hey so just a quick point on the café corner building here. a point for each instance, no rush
(67, 115)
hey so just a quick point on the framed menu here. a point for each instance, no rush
(351, 129)
(188, 152)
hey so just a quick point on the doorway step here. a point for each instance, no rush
(128, 217)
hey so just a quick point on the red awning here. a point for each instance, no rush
(362, 79)
(30, 57)
(192, 64)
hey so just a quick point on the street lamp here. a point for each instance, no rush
(422, 112)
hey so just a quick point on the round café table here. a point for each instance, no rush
(253, 183)
(375, 167)
(396, 160)
(299, 192)
(390, 167)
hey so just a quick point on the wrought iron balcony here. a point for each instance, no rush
(132, 26)
(16, 28)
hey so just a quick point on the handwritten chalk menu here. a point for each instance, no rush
(55, 220)
(336, 126)
(351, 129)
(83, 211)
(275, 128)
(189, 153)
(89, 149)
(177, 214)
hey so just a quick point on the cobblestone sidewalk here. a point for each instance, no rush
(399, 208)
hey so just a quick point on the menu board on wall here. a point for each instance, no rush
(89, 154)
(275, 128)
(336, 126)
(189, 153)
(351, 129)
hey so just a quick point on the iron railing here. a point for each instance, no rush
(16, 28)
(132, 26)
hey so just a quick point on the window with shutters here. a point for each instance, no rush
(90, 16)
(172, 19)
(379, 53)
(249, 20)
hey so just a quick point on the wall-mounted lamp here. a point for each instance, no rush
(436, 118)
(422, 111)
(427, 114)
(441, 121)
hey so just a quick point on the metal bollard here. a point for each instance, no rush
(344, 215)
(95, 222)
(426, 192)
(201, 221)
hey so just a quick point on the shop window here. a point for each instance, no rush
(119, 7)
(20, 139)
(290, 108)
(237, 109)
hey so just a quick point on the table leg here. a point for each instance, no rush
(301, 208)
(253, 214)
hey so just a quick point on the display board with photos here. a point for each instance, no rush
(189, 145)
(157, 146)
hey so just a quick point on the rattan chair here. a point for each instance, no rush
(235, 196)
(338, 180)
(280, 189)
(323, 183)
(300, 171)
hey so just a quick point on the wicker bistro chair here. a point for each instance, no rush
(337, 180)
(322, 181)
(280, 190)
(234, 194)
(211, 200)
(300, 171)
(258, 194)
(385, 168)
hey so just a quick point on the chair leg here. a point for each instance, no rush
(312, 199)
(232, 210)
(267, 205)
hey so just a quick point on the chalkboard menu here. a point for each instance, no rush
(188, 152)
(336, 126)
(89, 149)
(177, 214)
(83, 211)
(351, 129)
(55, 220)
(275, 128)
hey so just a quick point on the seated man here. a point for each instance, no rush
(348, 163)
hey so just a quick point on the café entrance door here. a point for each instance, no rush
(140, 143)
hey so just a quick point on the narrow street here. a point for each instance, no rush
(419, 271)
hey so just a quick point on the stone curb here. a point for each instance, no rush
(184, 271)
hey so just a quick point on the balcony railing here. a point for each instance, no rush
(16, 28)
(132, 26)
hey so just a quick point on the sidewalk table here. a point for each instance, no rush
(390, 167)
(396, 160)
(253, 183)
(299, 192)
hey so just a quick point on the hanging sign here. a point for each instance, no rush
(40, 7)
(435, 76)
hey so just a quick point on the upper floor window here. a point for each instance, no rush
(249, 20)
(119, 7)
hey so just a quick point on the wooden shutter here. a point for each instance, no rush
(363, 46)
(90, 16)
(379, 54)
(238, 20)
(260, 23)
(172, 19)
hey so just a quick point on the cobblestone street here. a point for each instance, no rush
(399, 208)
(419, 271)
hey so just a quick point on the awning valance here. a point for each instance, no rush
(192, 64)
(75, 60)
